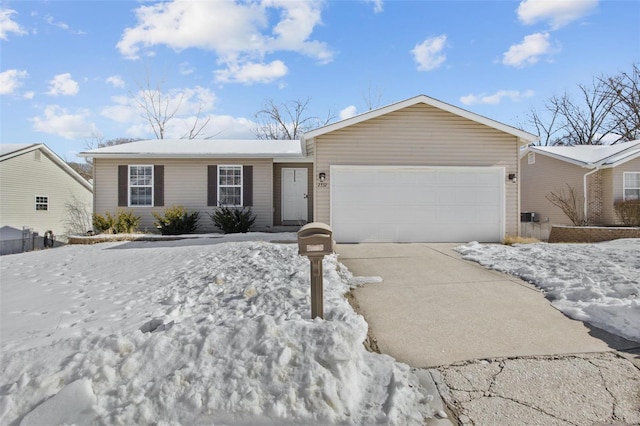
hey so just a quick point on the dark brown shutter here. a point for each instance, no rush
(158, 185)
(123, 186)
(247, 186)
(212, 185)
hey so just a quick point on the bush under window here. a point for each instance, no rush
(177, 220)
(628, 211)
(124, 222)
(233, 220)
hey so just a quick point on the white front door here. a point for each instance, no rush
(294, 195)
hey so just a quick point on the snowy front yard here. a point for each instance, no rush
(595, 283)
(189, 332)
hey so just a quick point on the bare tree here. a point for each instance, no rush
(371, 100)
(286, 121)
(626, 88)
(568, 202)
(158, 109)
(546, 128)
(607, 111)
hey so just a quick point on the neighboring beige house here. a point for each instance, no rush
(417, 170)
(600, 175)
(35, 186)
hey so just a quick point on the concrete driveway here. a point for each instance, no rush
(434, 308)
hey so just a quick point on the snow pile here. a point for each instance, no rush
(185, 333)
(595, 283)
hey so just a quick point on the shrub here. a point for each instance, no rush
(177, 220)
(233, 220)
(509, 240)
(124, 222)
(628, 212)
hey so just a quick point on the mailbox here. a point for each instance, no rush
(315, 239)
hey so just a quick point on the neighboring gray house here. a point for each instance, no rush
(35, 186)
(416, 170)
(599, 174)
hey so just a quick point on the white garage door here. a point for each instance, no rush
(417, 204)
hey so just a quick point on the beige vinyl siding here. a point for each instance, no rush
(545, 176)
(32, 174)
(185, 183)
(277, 189)
(418, 135)
(617, 181)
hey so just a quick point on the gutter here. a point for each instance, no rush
(586, 193)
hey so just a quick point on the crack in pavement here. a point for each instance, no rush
(570, 390)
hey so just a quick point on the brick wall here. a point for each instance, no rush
(590, 234)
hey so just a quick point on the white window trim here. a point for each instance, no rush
(153, 177)
(624, 183)
(220, 166)
(35, 206)
(531, 158)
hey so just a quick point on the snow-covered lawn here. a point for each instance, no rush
(203, 331)
(595, 283)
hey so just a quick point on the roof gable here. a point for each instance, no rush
(592, 155)
(525, 137)
(8, 151)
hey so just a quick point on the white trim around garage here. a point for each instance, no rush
(417, 203)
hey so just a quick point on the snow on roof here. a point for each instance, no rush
(593, 155)
(9, 148)
(185, 148)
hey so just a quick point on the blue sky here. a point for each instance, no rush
(69, 69)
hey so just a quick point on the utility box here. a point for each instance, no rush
(315, 240)
(528, 217)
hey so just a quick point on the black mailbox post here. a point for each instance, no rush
(315, 240)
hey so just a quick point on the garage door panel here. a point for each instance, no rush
(413, 204)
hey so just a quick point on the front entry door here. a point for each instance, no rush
(294, 195)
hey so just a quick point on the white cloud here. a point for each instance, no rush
(529, 51)
(496, 98)
(8, 25)
(428, 54)
(348, 112)
(557, 12)
(377, 5)
(62, 25)
(238, 32)
(63, 84)
(59, 121)
(186, 68)
(29, 95)
(250, 73)
(11, 80)
(115, 81)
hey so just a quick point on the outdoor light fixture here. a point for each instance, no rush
(512, 177)
(322, 176)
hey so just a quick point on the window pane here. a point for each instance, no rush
(632, 194)
(632, 180)
(141, 196)
(230, 196)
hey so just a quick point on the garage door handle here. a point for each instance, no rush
(306, 196)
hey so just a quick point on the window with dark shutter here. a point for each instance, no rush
(158, 185)
(123, 186)
(247, 186)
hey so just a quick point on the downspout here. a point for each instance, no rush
(586, 193)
